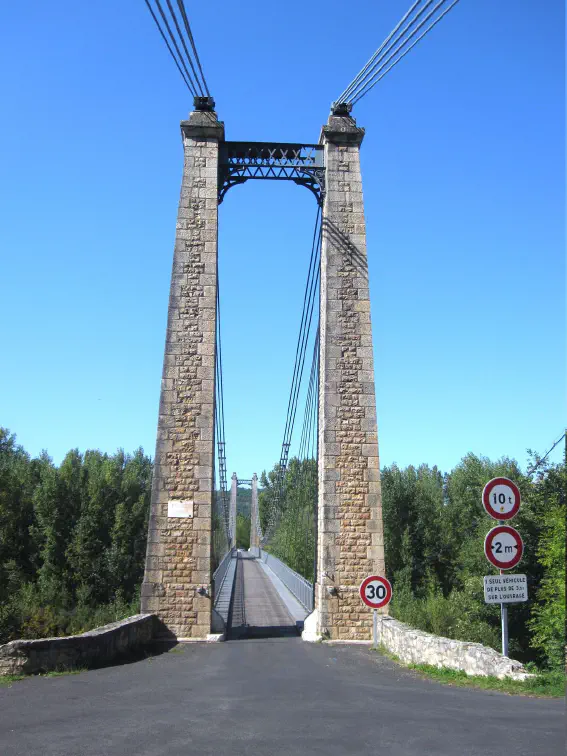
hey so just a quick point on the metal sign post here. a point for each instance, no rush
(504, 623)
(375, 629)
(503, 546)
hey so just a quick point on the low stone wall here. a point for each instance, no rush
(418, 647)
(93, 648)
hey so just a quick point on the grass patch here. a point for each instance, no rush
(551, 684)
(383, 651)
(9, 679)
(61, 672)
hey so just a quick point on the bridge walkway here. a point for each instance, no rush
(262, 606)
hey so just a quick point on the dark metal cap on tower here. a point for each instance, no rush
(341, 108)
(204, 104)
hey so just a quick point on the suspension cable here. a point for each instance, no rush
(174, 17)
(219, 423)
(181, 5)
(344, 96)
(169, 48)
(195, 82)
(381, 62)
(309, 300)
(389, 50)
(375, 80)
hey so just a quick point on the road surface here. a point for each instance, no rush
(269, 697)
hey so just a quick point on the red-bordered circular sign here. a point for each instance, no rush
(501, 498)
(376, 591)
(503, 547)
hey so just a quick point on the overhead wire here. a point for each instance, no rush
(540, 461)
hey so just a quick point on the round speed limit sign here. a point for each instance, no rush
(376, 591)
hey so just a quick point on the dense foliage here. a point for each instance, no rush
(242, 531)
(72, 543)
(434, 530)
(287, 514)
(72, 539)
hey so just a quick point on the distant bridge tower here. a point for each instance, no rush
(254, 516)
(232, 515)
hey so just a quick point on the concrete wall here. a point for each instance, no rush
(93, 648)
(417, 647)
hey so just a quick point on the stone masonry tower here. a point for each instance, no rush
(177, 580)
(350, 535)
(178, 561)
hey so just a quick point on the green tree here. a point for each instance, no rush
(129, 531)
(18, 555)
(548, 615)
(287, 512)
(242, 531)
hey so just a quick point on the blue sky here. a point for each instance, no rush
(463, 170)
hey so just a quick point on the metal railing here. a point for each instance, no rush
(301, 588)
(220, 573)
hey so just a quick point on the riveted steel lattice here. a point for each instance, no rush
(302, 163)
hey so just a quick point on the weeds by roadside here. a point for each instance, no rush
(544, 683)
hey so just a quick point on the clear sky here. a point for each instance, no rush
(463, 171)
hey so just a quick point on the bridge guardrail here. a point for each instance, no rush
(301, 588)
(220, 573)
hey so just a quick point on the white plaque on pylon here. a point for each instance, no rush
(177, 508)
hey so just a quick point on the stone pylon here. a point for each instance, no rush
(254, 515)
(232, 514)
(350, 536)
(178, 561)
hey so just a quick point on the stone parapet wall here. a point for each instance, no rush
(93, 648)
(418, 647)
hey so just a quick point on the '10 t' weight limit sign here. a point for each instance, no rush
(501, 498)
(376, 591)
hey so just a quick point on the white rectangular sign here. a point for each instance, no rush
(505, 589)
(176, 508)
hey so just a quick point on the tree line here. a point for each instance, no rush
(73, 538)
(434, 530)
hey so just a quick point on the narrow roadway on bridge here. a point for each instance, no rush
(258, 610)
(269, 697)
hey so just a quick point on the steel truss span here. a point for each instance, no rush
(302, 163)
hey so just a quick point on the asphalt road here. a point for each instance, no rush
(269, 697)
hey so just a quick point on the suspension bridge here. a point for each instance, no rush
(282, 553)
(316, 522)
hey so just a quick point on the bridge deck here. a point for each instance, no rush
(258, 609)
